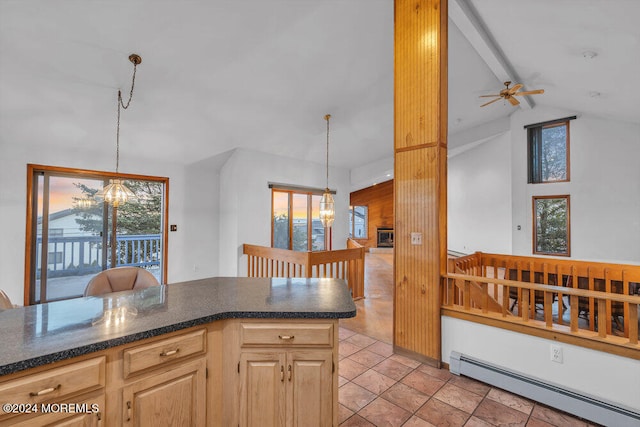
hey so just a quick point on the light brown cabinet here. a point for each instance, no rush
(174, 397)
(227, 373)
(286, 374)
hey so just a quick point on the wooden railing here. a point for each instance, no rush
(585, 303)
(346, 264)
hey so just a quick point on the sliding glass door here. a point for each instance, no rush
(74, 235)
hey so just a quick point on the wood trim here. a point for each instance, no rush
(534, 238)
(59, 170)
(550, 122)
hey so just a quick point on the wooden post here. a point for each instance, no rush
(420, 181)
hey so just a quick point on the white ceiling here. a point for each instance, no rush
(261, 74)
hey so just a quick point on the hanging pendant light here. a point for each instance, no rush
(116, 193)
(327, 205)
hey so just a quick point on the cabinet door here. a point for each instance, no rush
(176, 397)
(262, 387)
(310, 388)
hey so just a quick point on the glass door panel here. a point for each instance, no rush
(280, 220)
(77, 236)
(300, 223)
(69, 237)
(317, 230)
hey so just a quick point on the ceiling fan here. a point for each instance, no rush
(510, 93)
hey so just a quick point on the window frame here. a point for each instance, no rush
(31, 221)
(534, 150)
(352, 222)
(291, 191)
(534, 199)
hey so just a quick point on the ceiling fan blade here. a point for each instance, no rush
(530, 92)
(515, 88)
(489, 96)
(491, 102)
(513, 101)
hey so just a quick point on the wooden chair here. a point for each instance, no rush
(5, 302)
(120, 279)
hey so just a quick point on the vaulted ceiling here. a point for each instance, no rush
(261, 74)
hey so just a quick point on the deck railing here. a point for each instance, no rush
(346, 264)
(78, 255)
(585, 303)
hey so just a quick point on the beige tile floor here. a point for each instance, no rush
(380, 388)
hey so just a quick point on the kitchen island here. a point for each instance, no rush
(217, 351)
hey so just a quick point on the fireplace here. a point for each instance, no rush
(385, 237)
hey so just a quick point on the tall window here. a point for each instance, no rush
(551, 228)
(358, 220)
(71, 236)
(295, 223)
(548, 151)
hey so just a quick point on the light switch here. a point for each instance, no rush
(416, 238)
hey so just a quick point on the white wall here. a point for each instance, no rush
(604, 186)
(245, 201)
(609, 377)
(479, 197)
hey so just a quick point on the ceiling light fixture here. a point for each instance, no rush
(589, 54)
(116, 193)
(327, 205)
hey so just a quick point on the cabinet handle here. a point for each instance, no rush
(286, 337)
(281, 373)
(289, 372)
(170, 352)
(128, 410)
(45, 391)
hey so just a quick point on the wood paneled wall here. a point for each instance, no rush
(420, 154)
(379, 200)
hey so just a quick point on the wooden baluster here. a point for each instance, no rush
(632, 323)
(485, 296)
(603, 314)
(626, 311)
(560, 296)
(548, 309)
(607, 289)
(592, 302)
(466, 295)
(525, 305)
(573, 302)
(532, 293)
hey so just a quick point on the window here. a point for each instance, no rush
(551, 228)
(548, 151)
(358, 220)
(72, 236)
(295, 223)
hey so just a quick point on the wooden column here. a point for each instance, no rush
(420, 153)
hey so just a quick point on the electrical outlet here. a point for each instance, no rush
(416, 238)
(556, 353)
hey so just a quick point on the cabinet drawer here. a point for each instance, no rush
(56, 383)
(320, 334)
(161, 352)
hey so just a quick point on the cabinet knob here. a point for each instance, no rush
(281, 373)
(45, 391)
(289, 372)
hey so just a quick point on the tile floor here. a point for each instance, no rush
(379, 388)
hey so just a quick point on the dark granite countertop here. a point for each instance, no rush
(45, 333)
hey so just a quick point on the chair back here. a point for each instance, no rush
(120, 279)
(5, 302)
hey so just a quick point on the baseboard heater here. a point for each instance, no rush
(584, 406)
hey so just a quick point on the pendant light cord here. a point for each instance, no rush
(121, 104)
(327, 117)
